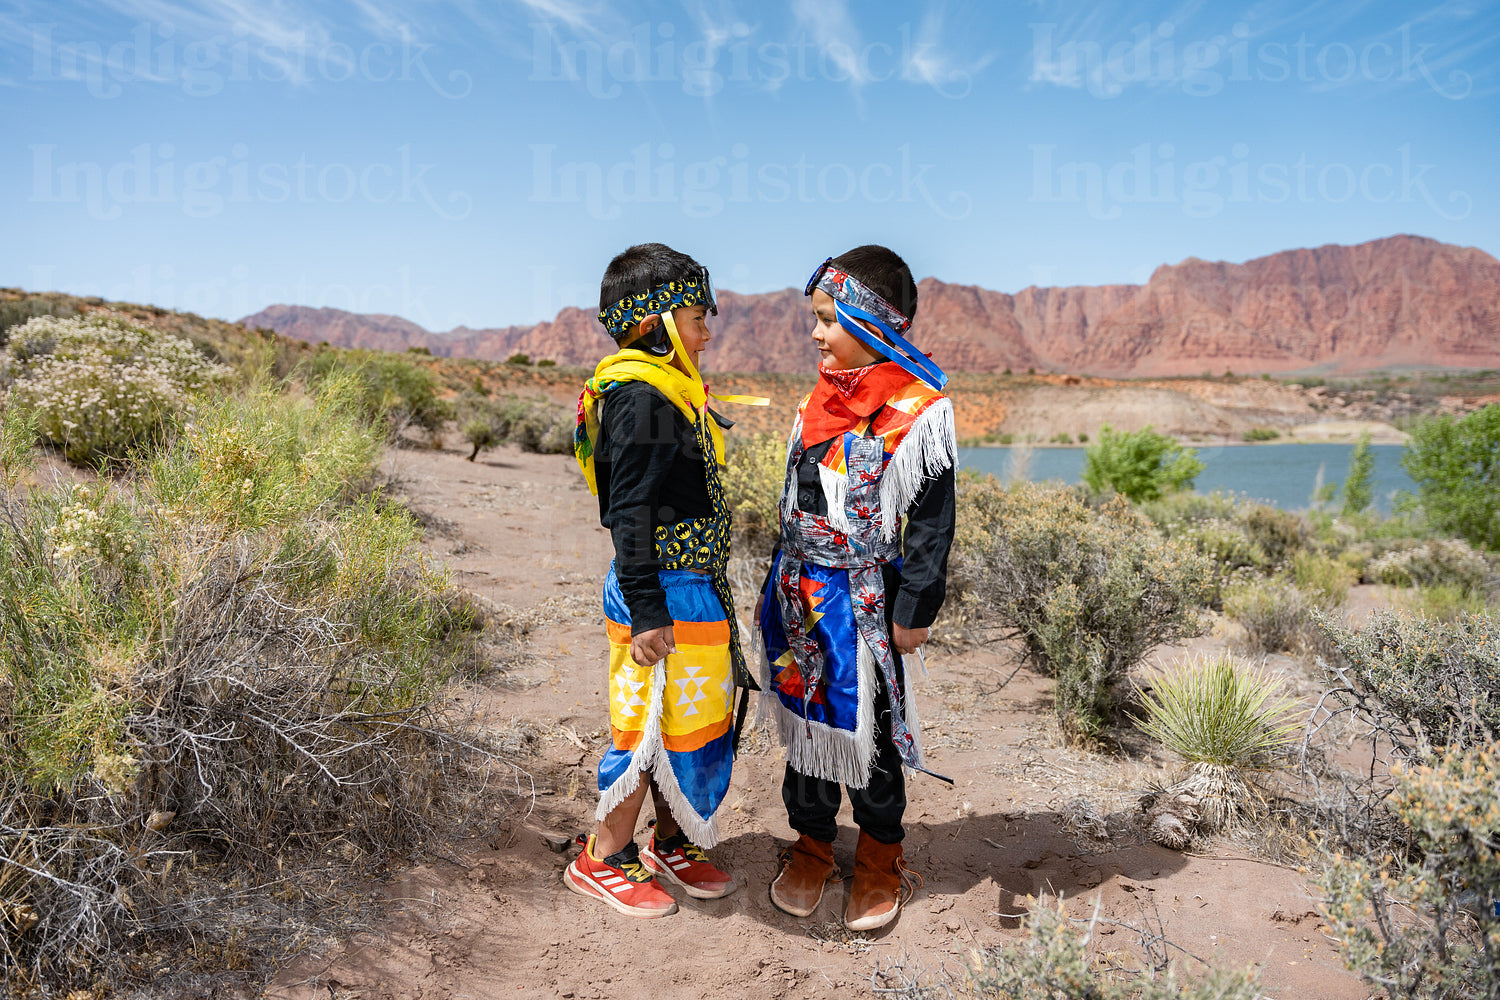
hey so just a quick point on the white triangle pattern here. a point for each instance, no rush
(630, 701)
(690, 689)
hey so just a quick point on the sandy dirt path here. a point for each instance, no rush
(496, 920)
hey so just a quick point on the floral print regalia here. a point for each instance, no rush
(823, 620)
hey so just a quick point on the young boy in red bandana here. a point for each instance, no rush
(860, 573)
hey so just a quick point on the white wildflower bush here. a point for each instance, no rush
(99, 386)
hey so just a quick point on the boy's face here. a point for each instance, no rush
(692, 330)
(838, 349)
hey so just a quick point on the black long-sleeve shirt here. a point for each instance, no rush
(650, 471)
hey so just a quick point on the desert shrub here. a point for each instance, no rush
(1261, 434)
(1089, 590)
(752, 485)
(539, 425)
(1142, 465)
(14, 312)
(1274, 613)
(230, 664)
(1055, 960)
(1187, 508)
(1456, 466)
(101, 387)
(393, 391)
(1426, 685)
(1442, 601)
(1277, 533)
(1224, 719)
(1323, 580)
(1436, 562)
(1426, 926)
(519, 358)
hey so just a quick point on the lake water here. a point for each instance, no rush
(1283, 475)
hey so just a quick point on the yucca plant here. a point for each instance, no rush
(1224, 719)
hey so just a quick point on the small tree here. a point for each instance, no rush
(1456, 465)
(1358, 491)
(1141, 465)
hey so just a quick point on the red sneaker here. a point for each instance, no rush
(684, 862)
(620, 880)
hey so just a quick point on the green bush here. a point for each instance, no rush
(1142, 465)
(1426, 927)
(1261, 434)
(100, 388)
(752, 485)
(393, 391)
(541, 426)
(232, 661)
(1358, 491)
(1456, 466)
(1090, 591)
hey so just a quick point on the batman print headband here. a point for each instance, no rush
(853, 301)
(695, 290)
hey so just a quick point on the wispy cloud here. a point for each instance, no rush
(838, 38)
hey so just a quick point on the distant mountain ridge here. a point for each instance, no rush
(1402, 301)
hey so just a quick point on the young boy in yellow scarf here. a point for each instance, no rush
(652, 450)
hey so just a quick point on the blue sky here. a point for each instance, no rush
(478, 163)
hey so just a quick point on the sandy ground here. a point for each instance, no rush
(1028, 817)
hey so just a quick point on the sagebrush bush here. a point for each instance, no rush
(233, 660)
(752, 485)
(1426, 927)
(1141, 465)
(1275, 614)
(1090, 591)
(1428, 685)
(1447, 562)
(1277, 533)
(1442, 601)
(100, 387)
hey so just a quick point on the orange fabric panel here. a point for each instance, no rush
(683, 633)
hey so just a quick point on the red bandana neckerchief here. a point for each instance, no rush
(834, 409)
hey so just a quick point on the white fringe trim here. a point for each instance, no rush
(650, 756)
(928, 448)
(909, 710)
(828, 753)
(836, 494)
(789, 487)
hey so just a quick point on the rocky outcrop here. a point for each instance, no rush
(1404, 301)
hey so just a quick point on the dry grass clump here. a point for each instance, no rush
(212, 675)
(1058, 959)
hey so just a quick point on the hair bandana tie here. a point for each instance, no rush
(855, 301)
(694, 290)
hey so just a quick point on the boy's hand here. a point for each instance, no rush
(652, 646)
(908, 639)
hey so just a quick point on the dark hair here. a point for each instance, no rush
(640, 269)
(886, 274)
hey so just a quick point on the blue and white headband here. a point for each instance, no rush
(854, 301)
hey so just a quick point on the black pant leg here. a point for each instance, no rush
(880, 805)
(812, 804)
